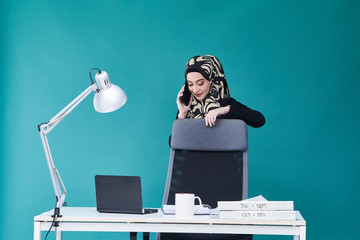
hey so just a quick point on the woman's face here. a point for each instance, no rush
(198, 85)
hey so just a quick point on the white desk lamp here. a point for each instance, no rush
(108, 97)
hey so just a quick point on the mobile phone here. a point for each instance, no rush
(185, 98)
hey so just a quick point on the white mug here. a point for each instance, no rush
(184, 204)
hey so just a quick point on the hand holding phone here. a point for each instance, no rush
(183, 101)
(185, 98)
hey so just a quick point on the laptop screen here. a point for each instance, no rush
(118, 194)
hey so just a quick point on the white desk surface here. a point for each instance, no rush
(90, 214)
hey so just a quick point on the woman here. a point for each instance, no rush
(206, 95)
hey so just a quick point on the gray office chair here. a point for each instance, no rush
(211, 162)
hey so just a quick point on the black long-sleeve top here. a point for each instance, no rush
(251, 117)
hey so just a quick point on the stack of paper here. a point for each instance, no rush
(257, 208)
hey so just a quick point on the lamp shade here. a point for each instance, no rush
(109, 97)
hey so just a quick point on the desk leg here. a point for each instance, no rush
(37, 232)
(133, 235)
(58, 234)
(303, 233)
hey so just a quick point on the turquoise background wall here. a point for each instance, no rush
(295, 61)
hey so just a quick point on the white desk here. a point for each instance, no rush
(88, 219)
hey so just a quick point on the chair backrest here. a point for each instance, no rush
(211, 162)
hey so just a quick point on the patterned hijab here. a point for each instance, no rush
(211, 69)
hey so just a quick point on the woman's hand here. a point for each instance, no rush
(210, 118)
(183, 109)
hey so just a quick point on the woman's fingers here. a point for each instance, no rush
(210, 118)
(181, 92)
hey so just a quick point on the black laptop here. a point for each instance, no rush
(119, 194)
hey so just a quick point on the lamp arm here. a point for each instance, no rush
(44, 129)
(67, 110)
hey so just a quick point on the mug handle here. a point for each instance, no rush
(200, 204)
